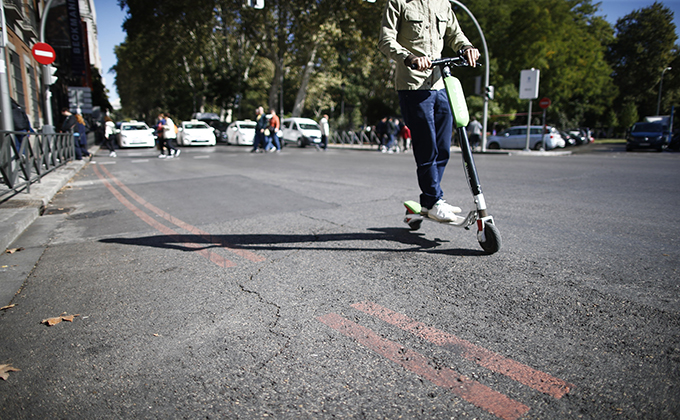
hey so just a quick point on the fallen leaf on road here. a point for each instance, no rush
(5, 369)
(57, 319)
(13, 250)
(8, 307)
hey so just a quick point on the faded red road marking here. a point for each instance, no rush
(183, 225)
(533, 378)
(213, 257)
(470, 390)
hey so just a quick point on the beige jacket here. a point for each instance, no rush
(421, 28)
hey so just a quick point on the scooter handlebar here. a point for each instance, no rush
(459, 61)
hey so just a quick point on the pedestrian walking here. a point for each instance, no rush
(110, 136)
(405, 134)
(21, 123)
(160, 142)
(80, 134)
(260, 125)
(325, 131)
(274, 127)
(474, 132)
(169, 134)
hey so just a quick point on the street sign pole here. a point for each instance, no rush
(528, 89)
(544, 103)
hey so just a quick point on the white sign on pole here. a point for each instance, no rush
(528, 84)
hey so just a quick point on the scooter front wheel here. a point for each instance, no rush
(492, 238)
(415, 224)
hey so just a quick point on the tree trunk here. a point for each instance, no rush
(306, 75)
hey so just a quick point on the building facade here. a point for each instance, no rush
(74, 55)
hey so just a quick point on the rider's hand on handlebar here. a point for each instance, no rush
(418, 63)
(472, 55)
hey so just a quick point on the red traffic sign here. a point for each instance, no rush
(544, 103)
(43, 53)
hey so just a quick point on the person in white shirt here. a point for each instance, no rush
(325, 131)
(109, 135)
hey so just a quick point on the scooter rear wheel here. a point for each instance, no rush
(492, 238)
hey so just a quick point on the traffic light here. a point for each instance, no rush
(257, 4)
(489, 92)
(52, 73)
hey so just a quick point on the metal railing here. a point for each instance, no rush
(26, 157)
(362, 138)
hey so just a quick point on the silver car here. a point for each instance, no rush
(516, 138)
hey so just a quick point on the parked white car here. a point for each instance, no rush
(134, 134)
(194, 132)
(241, 133)
(516, 138)
(301, 131)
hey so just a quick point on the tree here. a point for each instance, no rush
(644, 46)
(563, 39)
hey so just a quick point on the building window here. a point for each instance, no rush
(15, 68)
(30, 73)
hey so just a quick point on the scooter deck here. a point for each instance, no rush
(413, 206)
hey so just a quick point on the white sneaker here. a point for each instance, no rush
(162, 156)
(442, 212)
(112, 154)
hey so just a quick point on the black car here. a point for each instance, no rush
(648, 135)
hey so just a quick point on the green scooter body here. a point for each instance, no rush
(454, 91)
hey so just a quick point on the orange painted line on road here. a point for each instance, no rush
(251, 256)
(215, 258)
(519, 372)
(468, 389)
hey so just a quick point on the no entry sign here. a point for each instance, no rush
(544, 103)
(43, 53)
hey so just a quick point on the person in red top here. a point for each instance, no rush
(274, 126)
(405, 134)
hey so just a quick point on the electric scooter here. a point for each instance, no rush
(487, 233)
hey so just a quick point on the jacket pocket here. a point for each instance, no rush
(413, 24)
(442, 22)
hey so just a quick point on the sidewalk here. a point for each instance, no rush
(17, 213)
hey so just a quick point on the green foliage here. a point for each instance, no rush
(643, 47)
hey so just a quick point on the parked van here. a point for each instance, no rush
(301, 131)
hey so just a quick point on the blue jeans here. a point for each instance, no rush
(428, 115)
(276, 142)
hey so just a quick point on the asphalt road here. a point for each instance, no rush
(225, 284)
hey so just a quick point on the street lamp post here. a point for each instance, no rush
(6, 121)
(658, 103)
(485, 111)
(45, 70)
